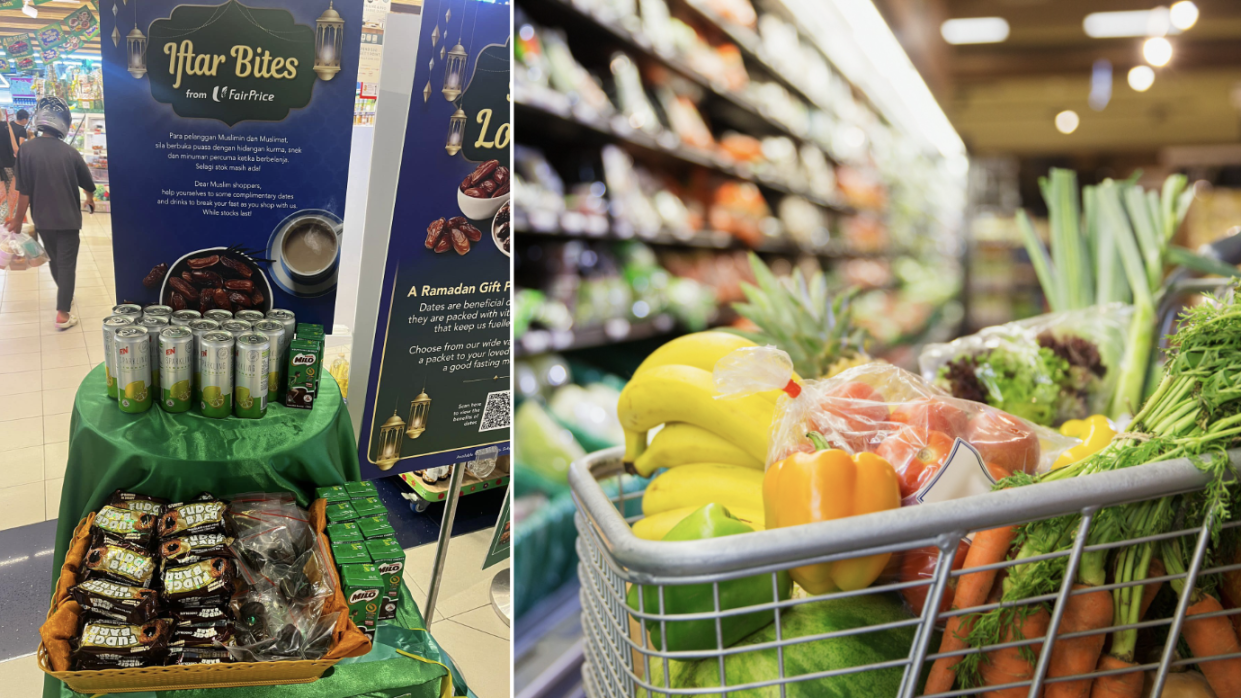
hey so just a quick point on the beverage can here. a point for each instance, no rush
(286, 318)
(250, 315)
(215, 365)
(128, 309)
(176, 368)
(253, 353)
(218, 314)
(110, 325)
(133, 368)
(275, 371)
(153, 323)
(200, 327)
(163, 311)
(182, 318)
(236, 327)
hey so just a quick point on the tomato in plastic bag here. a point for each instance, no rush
(919, 564)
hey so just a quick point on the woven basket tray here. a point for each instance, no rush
(228, 675)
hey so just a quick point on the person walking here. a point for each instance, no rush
(49, 174)
(10, 141)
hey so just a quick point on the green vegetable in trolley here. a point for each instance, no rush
(815, 618)
(541, 444)
(711, 521)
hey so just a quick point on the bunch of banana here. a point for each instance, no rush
(713, 449)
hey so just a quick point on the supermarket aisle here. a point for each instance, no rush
(40, 369)
(466, 626)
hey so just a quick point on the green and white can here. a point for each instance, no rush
(250, 315)
(153, 323)
(275, 373)
(218, 314)
(128, 309)
(289, 320)
(176, 368)
(182, 318)
(163, 311)
(111, 324)
(250, 378)
(215, 365)
(200, 327)
(236, 327)
(133, 368)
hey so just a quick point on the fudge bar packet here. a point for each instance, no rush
(203, 583)
(108, 644)
(194, 548)
(128, 525)
(202, 616)
(138, 502)
(200, 516)
(120, 602)
(127, 564)
(218, 635)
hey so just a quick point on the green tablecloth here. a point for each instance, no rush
(179, 456)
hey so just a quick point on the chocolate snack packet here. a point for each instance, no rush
(137, 502)
(206, 615)
(116, 524)
(206, 636)
(194, 548)
(203, 583)
(202, 516)
(118, 561)
(108, 644)
(116, 601)
(197, 655)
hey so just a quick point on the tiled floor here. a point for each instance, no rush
(40, 368)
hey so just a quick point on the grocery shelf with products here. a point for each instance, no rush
(91, 140)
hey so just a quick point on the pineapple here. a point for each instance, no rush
(800, 318)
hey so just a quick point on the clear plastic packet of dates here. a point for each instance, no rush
(941, 447)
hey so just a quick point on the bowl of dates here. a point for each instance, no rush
(484, 190)
(217, 277)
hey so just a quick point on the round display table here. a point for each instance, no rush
(178, 456)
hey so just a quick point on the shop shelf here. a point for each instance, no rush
(613, 331)
(427, 494)
(719, 240)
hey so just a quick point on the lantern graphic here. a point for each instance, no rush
(329, 33)
(456, 131)
(136, 42)
(419, 410)
(391, 436)
(454, 72)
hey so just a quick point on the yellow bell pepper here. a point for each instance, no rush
(822, 486)
(1094, 431)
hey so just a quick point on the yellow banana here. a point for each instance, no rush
(679, 443)
(657, 526)
(686, 394)
(700, 350)
(699, 484)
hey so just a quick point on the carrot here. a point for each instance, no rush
(1150, 591)
(1127, 685)
(1209, 637)
(1009, 664)
(989, 547)
(1079, 655)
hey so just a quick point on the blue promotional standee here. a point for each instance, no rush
(229, 131)
(438, 385)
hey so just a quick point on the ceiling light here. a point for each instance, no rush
(1184, 14)
(1111, 25)
(1157, 51)
(1141, 77)
(1067, 121)
(975, 30)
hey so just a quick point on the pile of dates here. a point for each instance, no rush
(455, 233)
(220, 280)
(503, 230)
(488, 181)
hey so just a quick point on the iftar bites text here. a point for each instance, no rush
(247, 62)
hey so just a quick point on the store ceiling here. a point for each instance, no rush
(14, 22)
(1003, 97)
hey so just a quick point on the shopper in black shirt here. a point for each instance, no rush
(11, 139)
(49, 174)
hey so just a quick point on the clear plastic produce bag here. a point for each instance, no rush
(20, 251)
(1047, 369)
(940, 447)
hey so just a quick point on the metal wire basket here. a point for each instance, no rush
(621, 661)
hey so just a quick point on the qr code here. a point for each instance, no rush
(498, 412)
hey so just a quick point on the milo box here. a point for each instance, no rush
(350, 553)
(375, 527)
(303, 368)
(344, 532)
(307, 330)
(340, 511)
(363, 590)
(371, 506)
(333, 493)
(389, 559)
(361, 490)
